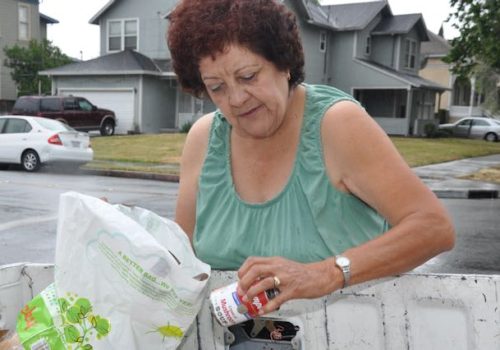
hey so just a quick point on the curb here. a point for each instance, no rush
(440, 193)
(466, 194)
(134, 175)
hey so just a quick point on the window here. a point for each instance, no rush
(53, 125)
(26, 105)
(84, 105)
(69, 104)
(24, 22)
(50, 105)
(122, 34)
(465, 123)
(410, 53)
(130, 40)
(368, 45)
(322, 41)
(17, 126)
(478, 122)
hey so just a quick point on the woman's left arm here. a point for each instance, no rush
(361, 159)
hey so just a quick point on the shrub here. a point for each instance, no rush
(432, 131)
(186, 127)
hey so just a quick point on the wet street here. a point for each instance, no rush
(477, 247)
(29, 206)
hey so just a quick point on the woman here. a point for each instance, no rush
(292, 184)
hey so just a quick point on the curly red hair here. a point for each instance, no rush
(202, 28)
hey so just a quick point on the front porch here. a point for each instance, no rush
(400, 111)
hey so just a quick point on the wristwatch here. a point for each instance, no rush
(345, 266)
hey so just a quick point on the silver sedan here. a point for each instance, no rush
(474, 127)
(34, 141)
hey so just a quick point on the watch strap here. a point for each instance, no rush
(344, 265)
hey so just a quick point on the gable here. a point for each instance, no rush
(402, 24)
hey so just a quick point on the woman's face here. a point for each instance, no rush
(249, 90)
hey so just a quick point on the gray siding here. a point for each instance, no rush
(43, 30)
(384, 50)
(362, 35)
(152, 24)
(9, 37)
(341, 63)
(316, 71)
(158, 105)
(316, 62)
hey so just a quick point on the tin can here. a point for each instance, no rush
(229, 309)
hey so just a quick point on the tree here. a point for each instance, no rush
(478, 22)
(26, 62)
(486, 84)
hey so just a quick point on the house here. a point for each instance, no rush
(432, 67)
(461, 100)
(133, 75)
(365, 50)
(20, 22)
(360, 48)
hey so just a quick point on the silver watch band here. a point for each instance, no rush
(345, 266)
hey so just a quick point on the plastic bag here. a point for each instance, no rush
(125, 278)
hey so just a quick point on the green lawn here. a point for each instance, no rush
(147, 152)
(422, 151)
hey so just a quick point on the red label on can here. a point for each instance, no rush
(256, 304)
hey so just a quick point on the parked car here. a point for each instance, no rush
(474, 127)
(34, 141)
(75, 111)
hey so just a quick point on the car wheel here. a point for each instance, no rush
(108, 128)
(491, 137)
(30, 161)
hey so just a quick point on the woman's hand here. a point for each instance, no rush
(296, 280)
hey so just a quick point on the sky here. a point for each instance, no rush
(79, 39)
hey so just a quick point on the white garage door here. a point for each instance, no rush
(119, 101)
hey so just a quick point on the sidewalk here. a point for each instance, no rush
(442, 178)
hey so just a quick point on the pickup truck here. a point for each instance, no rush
(411, 311)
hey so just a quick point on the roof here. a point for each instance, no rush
(412, 80)
(123, 62)
(47, 19)
(95, 18)
(401, 24)
(437, 46)
(354, 16)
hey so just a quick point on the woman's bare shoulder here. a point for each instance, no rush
(197, 138)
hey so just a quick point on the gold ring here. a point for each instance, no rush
(277, 282)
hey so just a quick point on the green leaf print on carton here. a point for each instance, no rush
(169, 331)
(80, 325)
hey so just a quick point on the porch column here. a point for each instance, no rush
(409, 101)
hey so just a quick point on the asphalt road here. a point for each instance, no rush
(29, 205)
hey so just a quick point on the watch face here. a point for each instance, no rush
(342, 261)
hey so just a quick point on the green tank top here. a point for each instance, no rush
(309, 220)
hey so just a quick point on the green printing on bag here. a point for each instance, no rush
(60, 324)
(80, 325)
(35, 324)
(169, 331)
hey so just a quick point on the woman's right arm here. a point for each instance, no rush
(193, 156)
